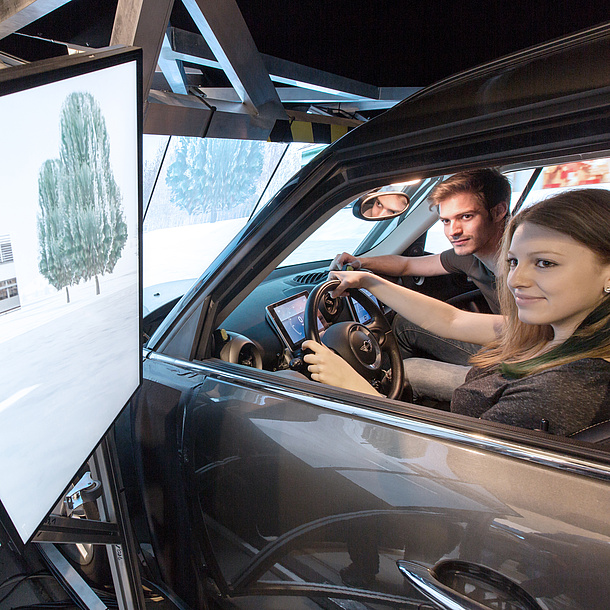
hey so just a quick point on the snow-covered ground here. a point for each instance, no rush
(67, 370)
(178, 253)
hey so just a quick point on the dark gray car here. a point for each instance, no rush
(253, 487)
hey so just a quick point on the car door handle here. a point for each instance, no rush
(442, 595)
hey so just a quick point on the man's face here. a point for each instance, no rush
(469, 227)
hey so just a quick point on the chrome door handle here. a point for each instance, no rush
(445, 597)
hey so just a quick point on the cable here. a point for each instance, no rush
(269, 181)
(169, 595)
(6, 581)
(22, 579)
(154, 186)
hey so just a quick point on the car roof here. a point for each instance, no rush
(563, 68)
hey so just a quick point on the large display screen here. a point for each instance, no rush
(70, 289)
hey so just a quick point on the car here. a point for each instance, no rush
(251, 486)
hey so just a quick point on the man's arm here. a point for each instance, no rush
(392, 264)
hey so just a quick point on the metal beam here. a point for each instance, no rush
(187, 115)
(16, 14)
(305, 117)
(193, 48)
(71, 579)
(172, 69)
(297, 95)
(290, 73)
(142, 23)
(290, 95)
(226, 33)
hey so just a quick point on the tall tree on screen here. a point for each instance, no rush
(215, 177)
(55, 243)
(90, 223)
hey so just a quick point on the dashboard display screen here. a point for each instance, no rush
(360, 314)
(288, 318)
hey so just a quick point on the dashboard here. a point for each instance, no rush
(266, 330)
(272, 317)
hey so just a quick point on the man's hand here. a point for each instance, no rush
(344, 259)
(327, 367)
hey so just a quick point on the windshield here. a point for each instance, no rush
(198, 193)
(344, 232)
(341, 233)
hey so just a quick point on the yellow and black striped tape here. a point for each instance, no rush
(303, 131)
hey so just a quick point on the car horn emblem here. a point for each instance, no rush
(366, 346)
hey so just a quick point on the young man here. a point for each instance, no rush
(472, 206)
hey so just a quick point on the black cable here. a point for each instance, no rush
(168, 595)
(154, 186)
(21, 580)
(6, 582)
(526, 191)
(64, 604)
(269, 181)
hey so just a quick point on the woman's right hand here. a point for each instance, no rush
(348, 279)
(326, 366)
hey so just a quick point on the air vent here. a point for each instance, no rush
(310, 278)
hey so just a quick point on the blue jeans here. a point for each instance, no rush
(414, 341)
(433, 366)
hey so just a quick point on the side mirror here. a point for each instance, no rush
(381, 206)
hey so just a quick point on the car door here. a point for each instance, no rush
(274, 491)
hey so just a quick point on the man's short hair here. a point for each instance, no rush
(488, 185)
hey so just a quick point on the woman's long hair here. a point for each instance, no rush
(583, 215)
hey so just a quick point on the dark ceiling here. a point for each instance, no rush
(252, 68)
(386, 43)
(396, 43)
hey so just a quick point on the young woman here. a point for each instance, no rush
(547, 357)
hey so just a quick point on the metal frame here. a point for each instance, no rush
(113, 530)
(263, 90)
(19, 13)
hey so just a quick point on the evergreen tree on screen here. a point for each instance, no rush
(55, 243)
(91, 227)
(215, 177)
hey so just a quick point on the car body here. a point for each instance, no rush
(250, 488)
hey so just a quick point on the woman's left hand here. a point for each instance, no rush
(327, 367)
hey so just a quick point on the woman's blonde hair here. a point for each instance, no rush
(583, 215)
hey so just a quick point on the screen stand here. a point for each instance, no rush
(112, 530)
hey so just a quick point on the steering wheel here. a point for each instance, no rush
(361, 346)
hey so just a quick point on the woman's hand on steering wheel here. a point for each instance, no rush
(348, 279)
(359, 347)
(327, 367)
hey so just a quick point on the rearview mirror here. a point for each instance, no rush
(381, 206)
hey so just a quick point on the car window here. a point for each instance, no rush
(198, 193)
(341, 233)
(554, 179)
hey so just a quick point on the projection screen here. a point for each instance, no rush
(70, 288)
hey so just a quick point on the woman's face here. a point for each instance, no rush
(554, 279)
